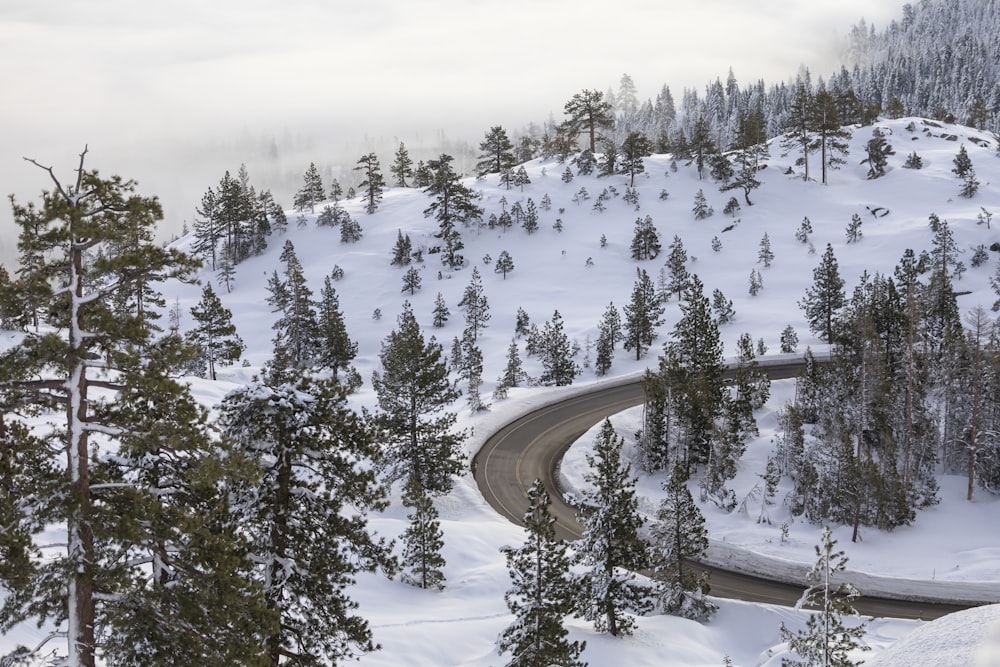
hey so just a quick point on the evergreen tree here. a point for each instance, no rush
(701, 208)
(965, 171)
(557, 354)
(826, 641)
(611, 549)
(521, 177)
(372, 183)
(336, 349)
(878, 151)
(588, 111)
(530, 222)
(441, 312)
(143, 513)
(645, 240)
(475, 304)
(350, 230)
(541, 593)
(402, 166)
(497, 155)
(678, 538)
(825, 297)
(643, 314)
(513, 374)
(913, 161)
(422, 541)
(312, 191)
(401, 252)
(789, 340)
(453, 205)
(413, 395)
(504, 264)
(722, 307)
(610, 331)
(829, 137)
(798, 126)
(756, 282)
(692, 367)
(702, 146)
(635, 147)
(677, 258)
(214, 333)
(853, 232)
(765, 255)
(411, 280)
(306, 518)
(296, 341)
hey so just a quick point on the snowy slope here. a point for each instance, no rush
(459, 625)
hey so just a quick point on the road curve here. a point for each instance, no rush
(532, 446)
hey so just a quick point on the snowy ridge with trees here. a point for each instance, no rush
(574, 243)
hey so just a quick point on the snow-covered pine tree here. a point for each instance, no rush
(541, 593)
(296, 338)
(557, 354)
(214, 333)
(372, 182)
(611, 549)
(146, 531)
(497, 155)
(441, 312)
(336, 349)
(411, 280)
(645, 240)
(825, 297)
(402, 166)
(504, 264)
(422, 561)
(306, 517)
(312, 191)
(678, 538)
(475, 305)
(826, 641)
(877, 151)
(414, 393)
(643, 314)
(453, 205)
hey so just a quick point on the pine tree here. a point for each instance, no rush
(411, 280)
(965, 171)
(643, 314)
(306, 518)
(722, 307)
(413, 395)
(677, 538)
(441, 312)
(557, 354)
(372, 183)
(878, 151)
(853, 232)
(422, 541)
(635, 147)
(829, 137)
(215, 334)
(645, 240)
(611, 548)
(590, 112)
(798, 130)
(692, 367)
(296, 340)
(504, 264)
(610, 331)
(475, 304)
(336, 349)
(789, 340)
(765, 255)
(497, 155)
(825, 297)
(142, 510)
(453, 205)
(513, 374)
(701, 207)
(530, 222)
(402, 166)
(401, 252)
(312, 191)
(677, 258)
(826, 641)
(541, 593)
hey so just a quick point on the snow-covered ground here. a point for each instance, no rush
(954, 547)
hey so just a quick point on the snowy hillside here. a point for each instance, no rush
(574, 272)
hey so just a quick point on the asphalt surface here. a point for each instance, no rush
(532, 447)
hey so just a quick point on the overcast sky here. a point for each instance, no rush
(167, 92)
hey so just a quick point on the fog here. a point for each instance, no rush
(174, 94)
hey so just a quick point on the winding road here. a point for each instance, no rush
(532, 446)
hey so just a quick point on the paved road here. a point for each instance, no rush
(532, 446)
